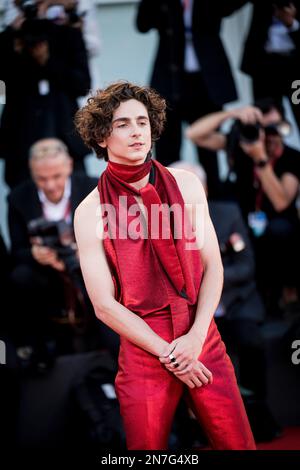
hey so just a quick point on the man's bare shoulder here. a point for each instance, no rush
(88, 204)
(189, 184)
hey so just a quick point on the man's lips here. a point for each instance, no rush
(137, 145)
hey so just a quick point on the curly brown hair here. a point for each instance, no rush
(94, 121)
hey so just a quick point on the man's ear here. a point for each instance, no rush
(103, 144)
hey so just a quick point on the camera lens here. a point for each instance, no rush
(249, 133)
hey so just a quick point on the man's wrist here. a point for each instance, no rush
(198, 335)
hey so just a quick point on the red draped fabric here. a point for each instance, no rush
(159, 279)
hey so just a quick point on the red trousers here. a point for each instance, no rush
(149, 394)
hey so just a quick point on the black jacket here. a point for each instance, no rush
(24, 205)
(29, 115)
(167, 17)
(258, 35)
(240, 296)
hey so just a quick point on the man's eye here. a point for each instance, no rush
(121, 125)
(143, 123)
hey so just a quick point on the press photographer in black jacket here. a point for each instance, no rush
(44, 255)
(263, 179)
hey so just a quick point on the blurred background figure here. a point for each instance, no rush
(271, 55)
(191, 69)
(44, 255)
(46, 71)
(264, 180)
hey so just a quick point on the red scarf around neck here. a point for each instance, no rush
(183, 267)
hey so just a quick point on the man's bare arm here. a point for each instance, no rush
(205, 131)
(212, 282)
(99, 283)
(281, 191)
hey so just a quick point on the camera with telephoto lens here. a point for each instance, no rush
(249, 133)
(59, 236)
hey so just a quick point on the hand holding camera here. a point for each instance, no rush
(45, 255)
(256, 150)
(248, 115)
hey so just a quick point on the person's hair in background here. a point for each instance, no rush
(94, 120)
(46, 148)
(268, 104)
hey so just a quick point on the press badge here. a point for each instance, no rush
(258, 222)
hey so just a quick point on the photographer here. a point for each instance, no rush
(264, 179)
(46, 72)
(51, 196)
(271, 54)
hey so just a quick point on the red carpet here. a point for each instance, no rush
(290, 440)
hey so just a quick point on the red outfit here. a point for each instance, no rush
(159, 280)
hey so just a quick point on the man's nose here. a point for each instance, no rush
(49, 185)
(136, 129)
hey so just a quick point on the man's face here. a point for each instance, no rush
(273, 142)
(50, 175)
(130, 139)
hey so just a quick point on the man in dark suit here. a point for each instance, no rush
(37, 275)
(272, 48)
(191, 69)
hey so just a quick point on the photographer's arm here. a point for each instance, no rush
(99, 283)
(204, 132)
(280, 191)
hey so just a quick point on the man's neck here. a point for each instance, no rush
(141, 183)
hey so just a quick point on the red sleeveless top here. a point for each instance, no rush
(154, 272)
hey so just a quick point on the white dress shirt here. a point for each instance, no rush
(57, 211)
(279, 41)
(191, 61)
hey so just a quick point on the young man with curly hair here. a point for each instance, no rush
(146, 285)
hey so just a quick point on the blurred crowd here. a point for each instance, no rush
(46, 46)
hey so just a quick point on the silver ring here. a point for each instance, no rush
(172, 358)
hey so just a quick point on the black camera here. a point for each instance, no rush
(249, 133)
(57, 235)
